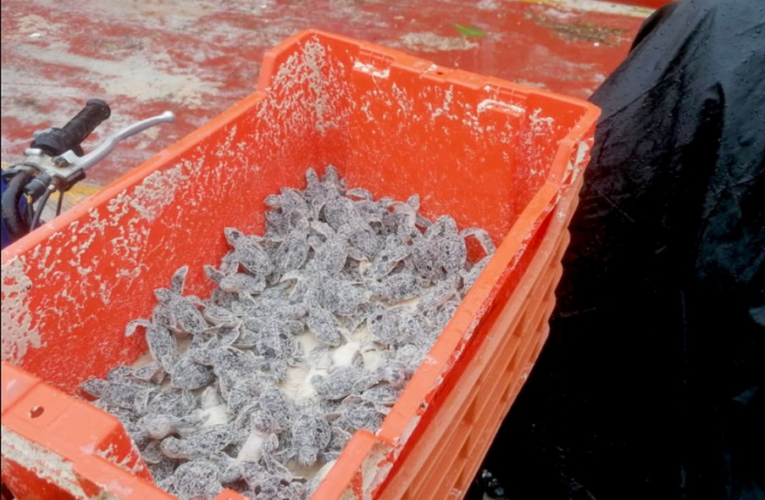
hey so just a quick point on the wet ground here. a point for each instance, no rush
(200, 58)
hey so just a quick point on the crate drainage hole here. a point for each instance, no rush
(36, 412)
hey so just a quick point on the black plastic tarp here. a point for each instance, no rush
(652, 384)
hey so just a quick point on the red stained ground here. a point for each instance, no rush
(199, 58)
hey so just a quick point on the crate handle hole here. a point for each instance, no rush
(36, 412)
(439, 73)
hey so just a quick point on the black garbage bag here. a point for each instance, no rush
(652, 384)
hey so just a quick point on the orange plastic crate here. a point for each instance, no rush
(488, 152)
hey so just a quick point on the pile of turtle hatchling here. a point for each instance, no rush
(312, 333)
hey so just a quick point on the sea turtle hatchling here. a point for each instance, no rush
(247, 390)
(336, 445)
(397, 287)
(393, 252)
(330, 256)
(197, 480)
(230, 469)
(394, 372)
(289, 203)
(163, 469)
(242, 284)
(206, 441)
(355, 414)
(270, 479)
(271, 308)
(383, 324)
(159, 426)
(187, 374)
(293, 251)
(181, 311)
(339, 382)
(324, 326)
(150, 372)
(219, 316)
(231, 364)
(163, 346)
(266, 429)
(339, 211)
(441, 252)
(311, 434)
(382, 394)
(175, 402)
(247, 253)
(440, 293)
(412, 354)
(184, 317)
(342, 297)
(279, 407)
(441, 316)
(120, 373)
(134, 396)
(276, 341)
(128, 418)
(415, 328)
(202, 350)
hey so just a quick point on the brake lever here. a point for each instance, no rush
(70, 161)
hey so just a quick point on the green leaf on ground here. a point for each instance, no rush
(470, 31)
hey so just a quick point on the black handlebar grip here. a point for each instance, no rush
(56, 141)
(86, 121)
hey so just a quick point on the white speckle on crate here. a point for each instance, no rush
(371, 70)
(541, 124)
(429, 360)
(444, 109)
(19, 333)
(311, 67)
(116, 487)
(578, 166)
(147, 200)
(88, 449)
(110, 454)
(225, 148)
(10, 387)
(505, 107)
(374, 469)
(156, 192)
(45, 464)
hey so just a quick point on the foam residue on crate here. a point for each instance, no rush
(370, 69)
(156, 192)
(305, 91)
(130, 214)
(44, 463)
(488, 104)
(18, 332)
(375, 468)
